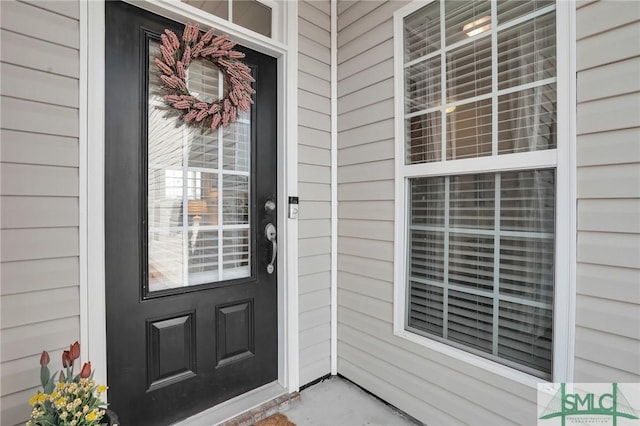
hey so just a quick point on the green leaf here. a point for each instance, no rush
(50, 385)
(44, 375)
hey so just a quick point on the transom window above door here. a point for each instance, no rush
(252, 14)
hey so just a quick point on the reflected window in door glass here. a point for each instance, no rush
(250, 14)
(198, 189)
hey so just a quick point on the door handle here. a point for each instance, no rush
(270, 234)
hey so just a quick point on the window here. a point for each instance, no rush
(199, 190)
(478, 179)
(252, 14)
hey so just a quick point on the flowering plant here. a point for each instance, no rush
(73, 401)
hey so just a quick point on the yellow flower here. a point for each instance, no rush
(42, 397)
(34, 399)
(53, 395)
(92, 416)
(101, 389)
(60, 385)
(60, 402)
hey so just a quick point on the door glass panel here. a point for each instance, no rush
(198, 189)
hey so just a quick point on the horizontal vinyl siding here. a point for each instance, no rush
(314, 188)
(427, 384)
(608, 156)
(39, 295)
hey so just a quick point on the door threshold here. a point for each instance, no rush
(235, 406)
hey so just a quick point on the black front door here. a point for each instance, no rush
(191, 306)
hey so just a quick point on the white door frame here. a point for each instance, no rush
(91, 147)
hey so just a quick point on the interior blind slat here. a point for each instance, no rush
(469, 131)
(466, 18)
(470, 320)
(526, 336)
(512, 9)
(422, 85)
(527, 120)
(469, 70)
(424, 138)
(422, 32)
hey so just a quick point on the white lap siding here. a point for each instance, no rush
(39, 292)
(314, 188)
(608, 156)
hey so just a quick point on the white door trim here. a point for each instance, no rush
(92, 144)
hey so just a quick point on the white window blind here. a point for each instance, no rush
(480, 82)
(482, 260)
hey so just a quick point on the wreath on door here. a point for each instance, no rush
(173, 63)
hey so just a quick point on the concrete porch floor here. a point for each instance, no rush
(338, 402)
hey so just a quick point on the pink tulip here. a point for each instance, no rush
(66, 359)
(44, 359)
(86, 370)
(74, 351)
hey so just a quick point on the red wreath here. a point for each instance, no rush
(176, 56)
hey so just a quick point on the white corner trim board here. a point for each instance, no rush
(334, 187)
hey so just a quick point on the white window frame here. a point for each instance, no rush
(562, 159)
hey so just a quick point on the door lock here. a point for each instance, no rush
(269, 206)
(270, 235)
